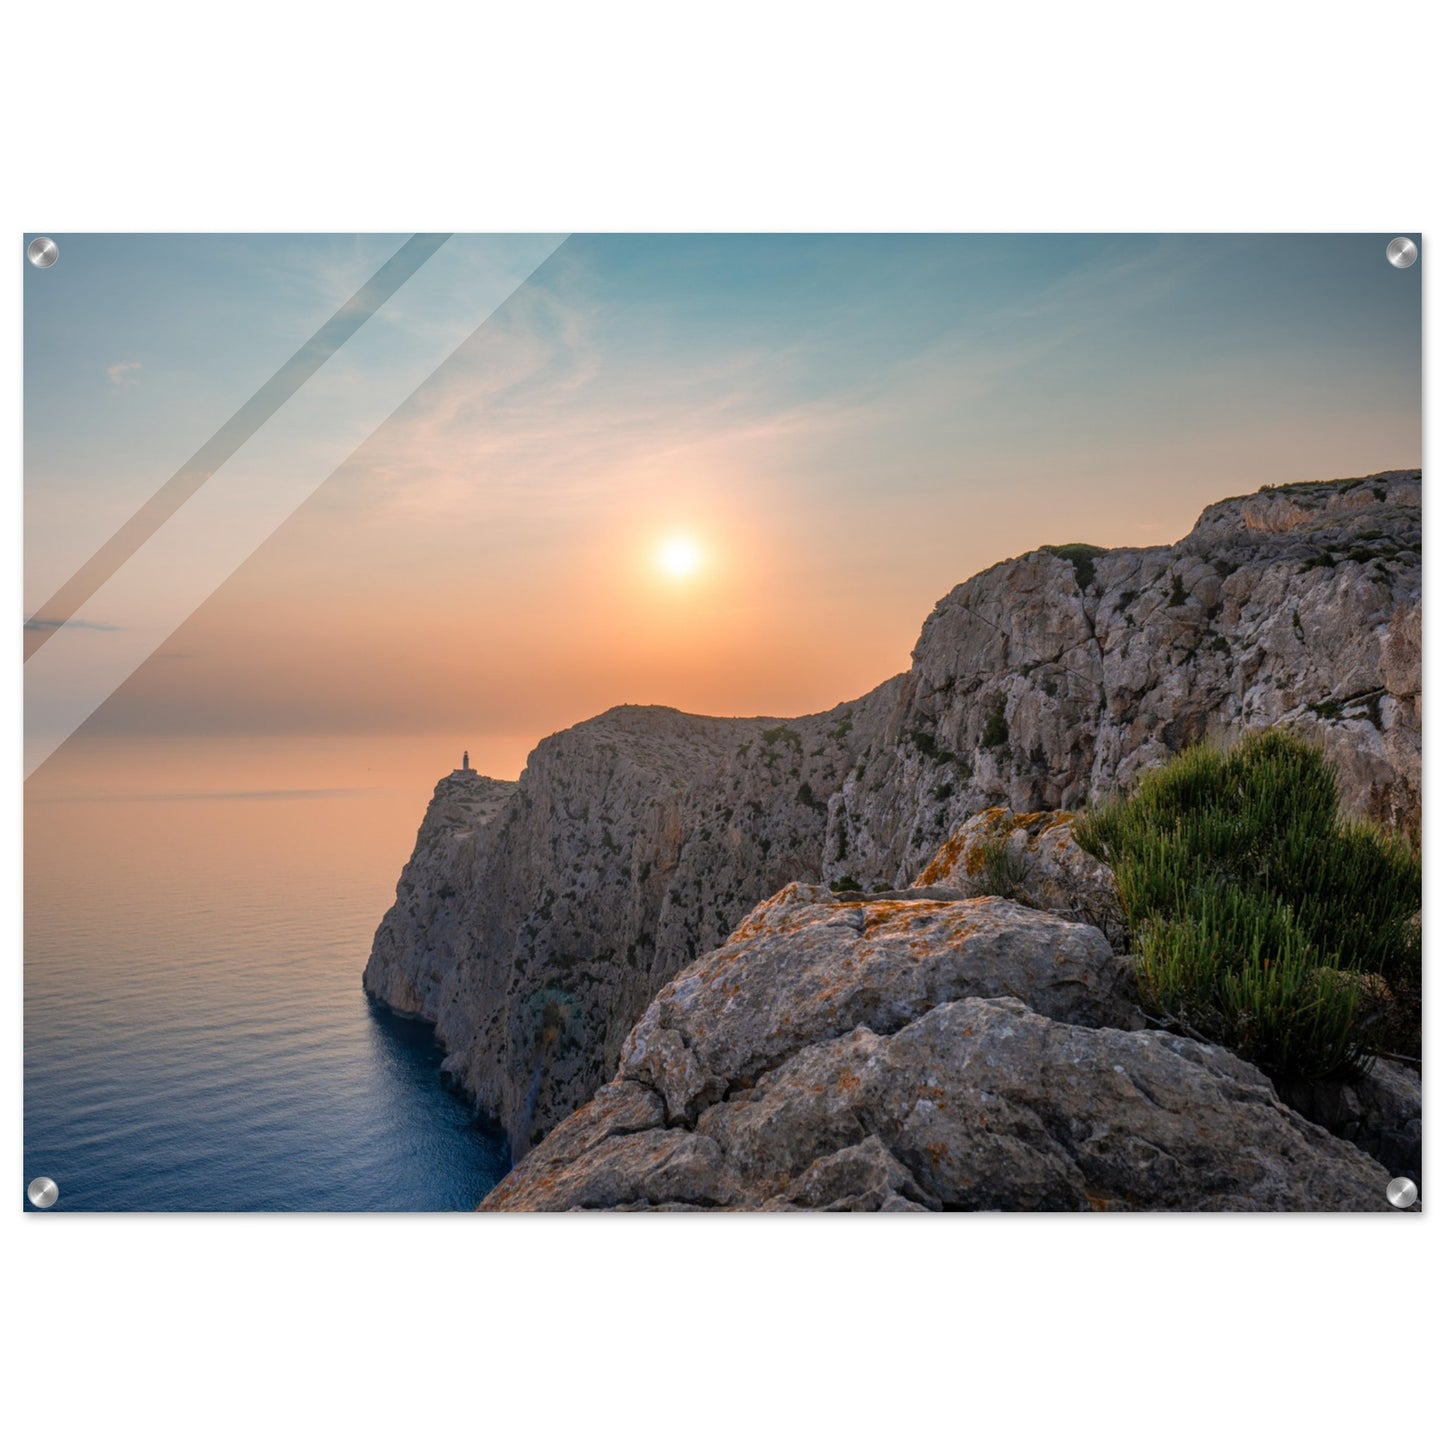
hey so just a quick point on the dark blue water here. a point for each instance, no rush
(196, 1036)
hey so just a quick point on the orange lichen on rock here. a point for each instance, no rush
(1030, 821)
(943, 861)
(892, 910)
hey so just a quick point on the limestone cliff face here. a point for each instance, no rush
(1048, 680)
(535, 927)
(423, 937)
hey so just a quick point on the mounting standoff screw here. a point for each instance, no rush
(1401, 1192)
(42, 1192)
(1402, 252)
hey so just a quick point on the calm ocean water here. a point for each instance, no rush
(196, 1036)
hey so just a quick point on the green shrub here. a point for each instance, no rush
(809, 799)
(1260, 918)
(932, 749)
(995, 728)
(999, 872)
(782, 734)
(1081, 555)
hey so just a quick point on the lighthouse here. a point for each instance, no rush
(466, 761)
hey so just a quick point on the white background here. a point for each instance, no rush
(624, 116)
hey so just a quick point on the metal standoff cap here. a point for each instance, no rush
(1401, 1192)
(42, 1192)
(43, 252)
(1402, 252)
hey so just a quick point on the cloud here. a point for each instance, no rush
(120, 373)
(54, 624)
(528, 414)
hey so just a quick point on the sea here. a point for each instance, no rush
(198, 913)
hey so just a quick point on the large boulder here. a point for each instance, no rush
(806, 966)
(926, 1052)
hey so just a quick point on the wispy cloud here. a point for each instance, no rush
(122, 373)
(52, 624)
(529, 414)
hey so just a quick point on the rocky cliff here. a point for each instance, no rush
(536, 921)
(424, 937)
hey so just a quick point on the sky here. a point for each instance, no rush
(732, 474)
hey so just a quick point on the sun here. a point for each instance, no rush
(679, 558)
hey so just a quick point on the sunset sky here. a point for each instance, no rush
(728, 473)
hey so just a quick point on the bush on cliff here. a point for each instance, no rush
(1262, 920)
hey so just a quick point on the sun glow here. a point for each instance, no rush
(679, 557)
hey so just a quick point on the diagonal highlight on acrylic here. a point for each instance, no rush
(232, 435)
(270, 475)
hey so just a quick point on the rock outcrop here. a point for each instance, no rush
(1034, 858)
(636, 842)
(807, 965)
(921, 1052)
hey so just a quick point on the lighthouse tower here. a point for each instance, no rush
(467, 762)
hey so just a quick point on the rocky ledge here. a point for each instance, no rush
(925, 1050)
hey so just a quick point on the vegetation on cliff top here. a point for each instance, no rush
(1263, 920)
(1081, 555)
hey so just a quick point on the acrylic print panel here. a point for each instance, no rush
(893, 723)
